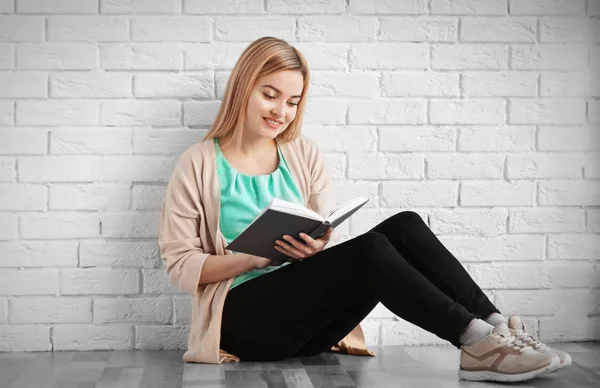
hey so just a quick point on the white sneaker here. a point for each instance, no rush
(500, 356)
(517, 328)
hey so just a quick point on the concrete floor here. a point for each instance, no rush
(394, 366)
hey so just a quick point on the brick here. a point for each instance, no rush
(158, 113)
(200, 112)
(497, 249)
(147, 197)
(573, 247)
(550, 220)
(140, 6)
(468, 7)
(90, 140)
(92, 196)
(138, 310)
(414, 29)
(344, 85)
(404, 333)
(28, 282)
(57, 112)
(364, 220)
(346, 190)
(39, 254)
(549, 57)
(7, 169)
(545, 302)
(169, 141)
(340, 139)
(593, 8)
(419, 194)
(141, 56)
(93, 253)
(593, 220)
(57, 56)
(130, 225)
(417, 138)
(23, 85)
(59, 225)
(207, 7)
(386, 7)
(337, 165)
(493, 193)
(497, 139)
(420, 84)
(371, 166)
(547, 165)
(23, 197)
(183, 310)
(174, 85)
(325, 111)
(7, 56)
(7, 113)
(494, 29)
(337, 28)
(92, 337)
(546, 111)
(581, 328)
(7, 6)
(86, 281)
(566, 29)
(57, 6)
(569, 193)
(593, 111)
(161, 337)
(156, 281)
(59, 169)
(465, 166)
(140, 168)
(467, 111)
(236, 28)
(567, 138)
(387, 112)
(25, 338)
(547, 7)
(389, 56)
(567, 84)
(3, 311)
(171, 29)
(324, 56)
(483, 222)
(498, 84)
(87, 28)
(221, 55)
(571, 275)
(23, 141)
(499, 276)
(50, 310)
(469, 57)
(92, 84)
(8, 227)
(21, 28)
(591, 169)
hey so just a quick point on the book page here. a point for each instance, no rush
(343, 210)
(292, 208)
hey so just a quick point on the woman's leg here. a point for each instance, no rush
(421, 248)
(318, 301)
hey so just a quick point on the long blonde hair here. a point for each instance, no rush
(264, 56)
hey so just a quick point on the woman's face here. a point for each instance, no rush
(273, 97)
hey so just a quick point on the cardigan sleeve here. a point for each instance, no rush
(322, 197)
(179, 235)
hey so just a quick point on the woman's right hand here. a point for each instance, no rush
(259, 261)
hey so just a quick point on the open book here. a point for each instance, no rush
(282, 217)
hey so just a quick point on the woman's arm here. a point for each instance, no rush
(221, 267)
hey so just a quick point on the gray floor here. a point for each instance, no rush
(394, 366)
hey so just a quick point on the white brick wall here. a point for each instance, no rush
(481, 115)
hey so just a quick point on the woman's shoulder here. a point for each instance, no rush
(305, 145)
(196, 155)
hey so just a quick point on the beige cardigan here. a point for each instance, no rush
(189, 232)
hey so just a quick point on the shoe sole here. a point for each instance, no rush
(567, 363)
(504, 377)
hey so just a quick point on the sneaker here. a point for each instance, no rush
(500, 356)
(516, 326)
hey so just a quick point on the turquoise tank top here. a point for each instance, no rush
(243, 197)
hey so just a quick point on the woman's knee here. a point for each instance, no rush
(408, 217)
(373, 242)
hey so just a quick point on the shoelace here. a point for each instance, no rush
(512, 341)
(527, 338)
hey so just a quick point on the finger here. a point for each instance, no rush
(299, 245)
(286, 251)
(309, 241)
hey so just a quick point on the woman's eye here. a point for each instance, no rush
(272, 97)
(269, 97)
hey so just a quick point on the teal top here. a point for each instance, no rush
(243, 197)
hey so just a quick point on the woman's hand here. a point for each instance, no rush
(299, 250)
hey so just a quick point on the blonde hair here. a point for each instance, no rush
(264, 56)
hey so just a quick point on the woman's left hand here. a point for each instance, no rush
(302, 249)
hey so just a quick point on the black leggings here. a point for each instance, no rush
(305, 308)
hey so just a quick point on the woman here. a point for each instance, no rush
(245, 309)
